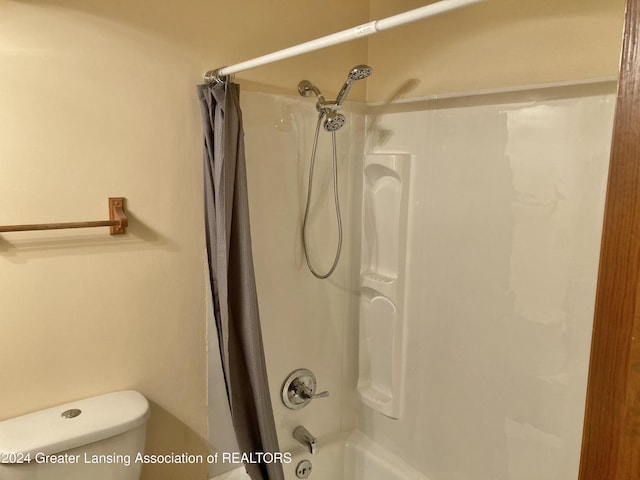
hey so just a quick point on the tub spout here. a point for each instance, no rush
(302, 435)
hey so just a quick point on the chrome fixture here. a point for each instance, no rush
(303, 436)
(333, 121)
(303, 470)
(359, 72)
(299, 389)
(71, 413)
(328, 108)
(306, 88)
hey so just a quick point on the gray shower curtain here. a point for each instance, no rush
(235, 303)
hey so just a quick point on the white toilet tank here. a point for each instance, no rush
(97, 438)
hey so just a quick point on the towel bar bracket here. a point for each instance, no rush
(117, 215)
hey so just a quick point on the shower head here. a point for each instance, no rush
(328, 108)
(358, 72)
(334, 121)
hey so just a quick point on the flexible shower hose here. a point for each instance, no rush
(336, 201)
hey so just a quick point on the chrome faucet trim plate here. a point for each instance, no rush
(299, 389)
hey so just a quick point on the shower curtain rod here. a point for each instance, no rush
(364, 30)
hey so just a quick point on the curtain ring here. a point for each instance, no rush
(214, 76)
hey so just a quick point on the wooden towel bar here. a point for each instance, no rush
(117, 222)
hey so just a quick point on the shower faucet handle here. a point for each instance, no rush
(299, 389)
(320, 395)
(304, 391)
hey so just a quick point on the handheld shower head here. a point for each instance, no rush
(358, 72)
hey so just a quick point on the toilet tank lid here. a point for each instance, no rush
(73, 424)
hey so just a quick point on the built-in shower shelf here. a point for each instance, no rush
(380, 284)
(378, 278)
(377, 397)
(384, 258)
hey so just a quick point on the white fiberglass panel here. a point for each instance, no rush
(305, 321)
(504, 229)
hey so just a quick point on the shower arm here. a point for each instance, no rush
(306, 88)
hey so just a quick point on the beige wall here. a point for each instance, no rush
(494, 45)
(93, 108)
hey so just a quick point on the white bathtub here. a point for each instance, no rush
(235, 474)
(347, 456)
(352, 456)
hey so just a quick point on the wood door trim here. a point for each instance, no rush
(611, 437)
